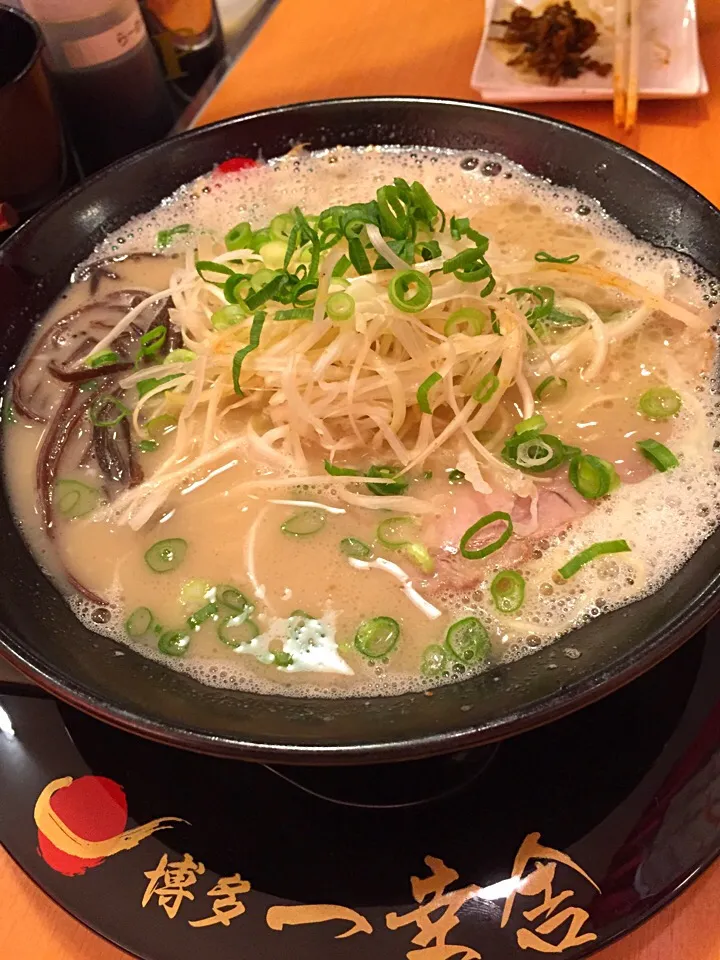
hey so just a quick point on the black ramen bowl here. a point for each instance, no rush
(41, 636)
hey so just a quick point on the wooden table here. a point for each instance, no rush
(311, 49)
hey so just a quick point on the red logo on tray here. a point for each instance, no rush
(82, 822)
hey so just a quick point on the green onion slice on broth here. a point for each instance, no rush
(384, 472)
(107, 411)
(658, 455)
(233, 599)
(174, 643)
(660, 403)
(551, 386)
(434, 661)
(304, 523)
(236, 630)
(140, 622)
(166, 237)
(498, 516)
(592, 476)
(468, 640)
(357, 549)
(74, 498)
(378, 637)
(591, 553)
(166, 555)
(508, 591)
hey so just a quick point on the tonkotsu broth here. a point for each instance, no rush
(611, 343)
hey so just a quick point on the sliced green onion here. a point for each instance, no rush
(386, 489)
(508, 591)
(542, 256)
(197, 619)
(240, 237)
(103, 359)
(393, 217)
(423, 390)
(148, 446)
(165, 237)
(195, 592)
(182, 355)
(434, 661)
(660, 403)
(498, 516)
(282, 659)
(282, 225)
(399, 290)
(107, 411)
(152, 341)
(145, 386)
(253, 343)
(468, 317)
(419, 555)
(591, 476)
(358, 257)
(174, 643)
(550, 386)
(236, 287)
(305, 293)
(427, 250)
(209, 266)
(270, 291)
(390, 533)
(455, 476)
(304, 523)
(294, 313)
(358, 549)
(485, 390)
(533, 450)
(237, 630)
(273, 254)
(259, 238)
(596, 550)
(139, 622)
(558, 318)
(340, 306)
(377, 637)
(75, 499)
(233, 598)
(228, 316)
(166, 555)
(535, 423)
(658, 455)
(545, 297)
(336, 471)
(341, 267)
(533, 453)
(161, 425)
(86, 387)
(468, 640)
(262, 278)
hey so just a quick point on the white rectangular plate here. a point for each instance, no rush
(670, 64)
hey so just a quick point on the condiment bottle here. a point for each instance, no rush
(106, 75)
(189, 40)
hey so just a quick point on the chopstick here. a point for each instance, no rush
(626, 66)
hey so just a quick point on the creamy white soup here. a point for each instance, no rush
(365, 421)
